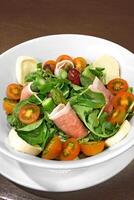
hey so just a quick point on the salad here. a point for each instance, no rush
(67, 108)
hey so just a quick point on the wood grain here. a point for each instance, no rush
(112, 20)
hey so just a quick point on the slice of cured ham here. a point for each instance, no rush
(66, 119)
(26, 92)
(98, 86)
(61, 65)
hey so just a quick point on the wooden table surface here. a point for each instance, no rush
(112, 20)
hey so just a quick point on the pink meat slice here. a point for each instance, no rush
(26, 92)
(98, 86)
(66, 119)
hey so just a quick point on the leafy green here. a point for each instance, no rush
(89, 74)
(85, 81)
(88, 98)
(32, 126)
(65, 90)
(57, 96)
(77, 87)
(34, 137)
(14, 121)
(104, 129)
(97, 72)
(33, 99)
(130, 89)
(90, 137)
(99, 127)
(82, 112)
(39, 136)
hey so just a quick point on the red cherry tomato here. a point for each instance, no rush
(117, 85)
(9, 105)
(118, 115)
(29, 113)
(92, 148)
(74, 76)
(50, 64)
(64, 57)
(13, 91)
(53, 148)
(71, 149)
(123, 99)
(80, 63)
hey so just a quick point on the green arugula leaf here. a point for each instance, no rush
(38, 136)
(88, 98)
(14, 121)
(83, 112)
(32, 126)
(85, 81)
(89, 74)
(99, 128)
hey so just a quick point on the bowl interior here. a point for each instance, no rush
(49, 47)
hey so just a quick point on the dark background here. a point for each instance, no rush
(112, 20)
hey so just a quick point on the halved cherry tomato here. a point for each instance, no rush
(92, 148)
(74, 76)
(50, 64)
(53, 149)
(80, 63)
(13, 91)
(117, 85)
(9, 105)
(118, 115)
(71, 149)
(123, 99)
(29, 113)
(63, 57)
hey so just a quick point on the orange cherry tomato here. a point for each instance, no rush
(9, 105)
(92, 148)
(64, 57)
(117, 85)
(13, 91)
(118, 115)
(80, 63)
(71, 149)
(123, 99)
(50, 64)
(29, 113)
(53, 149)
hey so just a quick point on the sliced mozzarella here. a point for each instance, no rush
(21, 145)
(110, 65)
(123, 131)
(61, 65)
(24, 66)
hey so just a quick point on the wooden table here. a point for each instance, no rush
(113, 20)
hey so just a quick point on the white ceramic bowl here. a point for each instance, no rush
(61, 175)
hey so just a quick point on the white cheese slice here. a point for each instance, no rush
(122, 132)
(110, 65)
(24, 66)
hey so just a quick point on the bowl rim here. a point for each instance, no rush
(86, 162)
